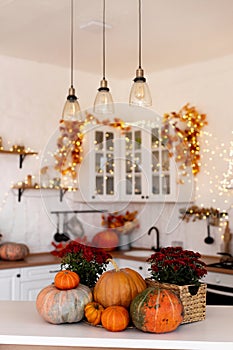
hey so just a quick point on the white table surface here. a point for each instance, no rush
(21, 324)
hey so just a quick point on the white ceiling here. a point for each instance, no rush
(174, 33)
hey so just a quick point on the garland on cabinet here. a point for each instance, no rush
(69, 143)
(184, 138)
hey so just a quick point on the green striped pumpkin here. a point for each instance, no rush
(63, 306)
(156, 310)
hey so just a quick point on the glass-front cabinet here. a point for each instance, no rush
(146, 165)
(134, 165)
(99, 173)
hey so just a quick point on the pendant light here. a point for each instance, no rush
(103, 102)
(71, 111)
(140, 93)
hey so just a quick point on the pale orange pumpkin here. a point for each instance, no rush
(13, 251)
(93, 312)
(115, 318)
(156, 310)
(63, 306)
(107, 239)
(66, 279)
(118, 286)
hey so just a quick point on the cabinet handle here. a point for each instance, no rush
(93, 197)
(142, 197)
(147, 197)
(140, 268)
(18, 275)
(53, 271)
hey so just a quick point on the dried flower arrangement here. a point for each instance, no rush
(87, 261)
(177, 266)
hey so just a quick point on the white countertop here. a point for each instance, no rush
(21, 324)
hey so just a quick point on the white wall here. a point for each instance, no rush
(32, 98)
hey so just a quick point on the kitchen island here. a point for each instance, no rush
(21, 327)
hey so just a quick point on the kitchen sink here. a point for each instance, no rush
(139, 253)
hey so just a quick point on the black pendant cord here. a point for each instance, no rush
(72, 42)
(140, 34)
(103, 39)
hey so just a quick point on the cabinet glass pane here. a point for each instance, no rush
(138, 140)
(110, 163)
(137, 162)
(155, 138)
(129, 184)
(165, 160)
(99, 163)
(128, 163)
(155, 162)
(99, 184)
(155, 185)
(138, 185)
(128, 141)
(109, 141)
(109, 185)
(166, 184)
(99, 138)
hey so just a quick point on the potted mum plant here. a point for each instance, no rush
(87, 261)
(180, 271)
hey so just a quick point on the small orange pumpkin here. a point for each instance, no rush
(118, 286)
(115, 318)
(156, 310)
(66, 279)
(93, 312)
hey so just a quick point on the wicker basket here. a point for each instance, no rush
(192, 298)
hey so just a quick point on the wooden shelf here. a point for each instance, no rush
(22, 154)
(22, 188)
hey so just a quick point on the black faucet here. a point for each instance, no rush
(157, 249)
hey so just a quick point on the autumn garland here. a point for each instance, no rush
(69, 143)
(187, 124)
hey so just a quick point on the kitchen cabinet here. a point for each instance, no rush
(134, 165)
(33, 279)
(9, 281)
(26, 282)
(139, 266)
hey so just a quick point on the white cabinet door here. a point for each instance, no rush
(9, 281)
(139, 266)
(132, 166)
(33, 279)
(99, 171)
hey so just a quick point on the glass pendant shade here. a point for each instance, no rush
(103, 102)
(71, 110)
(140, 92)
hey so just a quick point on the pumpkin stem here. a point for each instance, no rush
(116, 267)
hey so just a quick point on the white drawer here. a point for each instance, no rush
(39, 272)
(220, 279)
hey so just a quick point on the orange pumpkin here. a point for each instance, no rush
(13, 251)
(93, 312)
(66, 279)
(156, 310)
(63, 306)
(107, 239)
(115, 318)
(118, 286)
